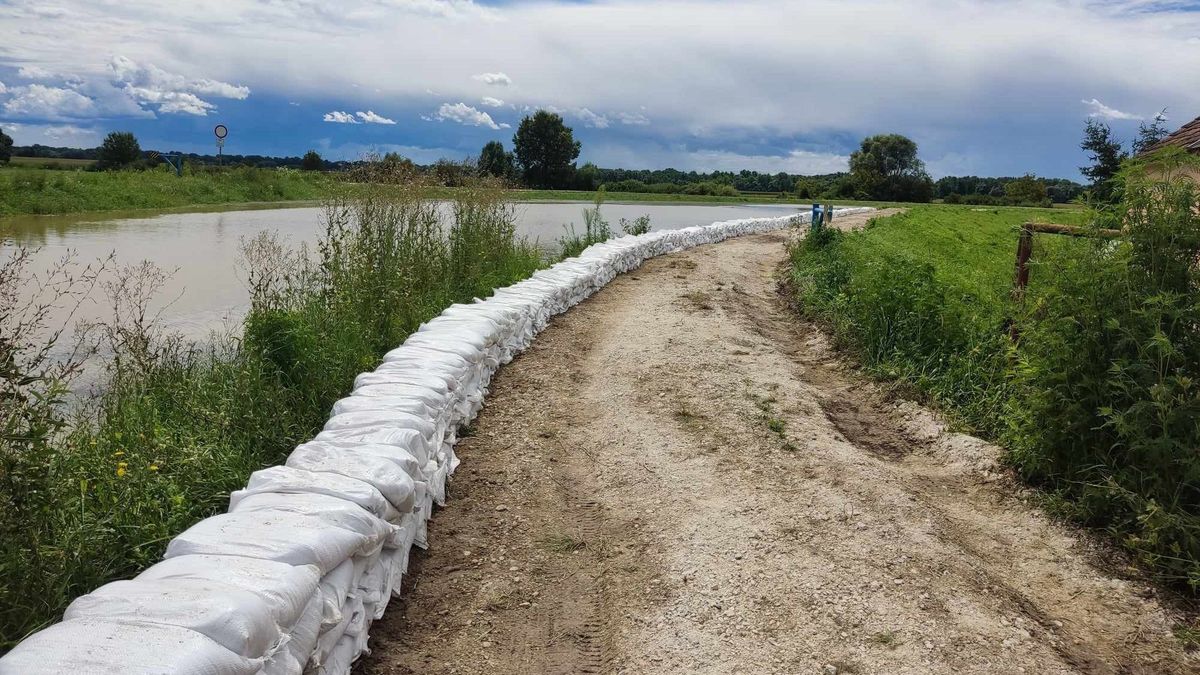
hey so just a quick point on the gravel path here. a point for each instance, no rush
(680, 477)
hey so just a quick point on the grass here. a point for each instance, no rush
(52, 162)
(559, 542)
(95, 495)
(887, 638)
(1096, 400)
(26, 190)
(769, 418)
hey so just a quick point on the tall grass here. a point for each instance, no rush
(595, 230)
(1098, 400)
(94, 494)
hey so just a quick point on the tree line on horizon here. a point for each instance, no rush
(886, 167)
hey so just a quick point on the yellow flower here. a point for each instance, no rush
(120, 471)
(154, 467)
(119, 453)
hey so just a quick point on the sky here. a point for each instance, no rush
(986, 87)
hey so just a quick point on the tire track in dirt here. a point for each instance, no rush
(680, 477)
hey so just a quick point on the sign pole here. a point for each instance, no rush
(220, 131)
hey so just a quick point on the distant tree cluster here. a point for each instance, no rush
(886, 167)
(981, 190)
(6, 147)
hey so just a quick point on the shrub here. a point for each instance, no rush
(639, 225)
(1097, 401)
(595, 230)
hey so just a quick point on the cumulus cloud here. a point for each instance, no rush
(591, 119)
(632, 119)
(744, 91)
(494, 79)
(3, 89)
(38, 101)
(34, 73)
(371, 118)
(339, 117)
(1105, 112)
(491, 102)
(465, 114)
(49, 134)
(172, 93)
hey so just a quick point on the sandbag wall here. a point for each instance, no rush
(289, 580)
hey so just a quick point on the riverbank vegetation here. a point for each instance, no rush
(1096, 397)
(44, 191)
(94, 490)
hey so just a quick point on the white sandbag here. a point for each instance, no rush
(411, 440)
(394, 420)
(387, 468)
(331, 510)
(301, 641)
(335, 588)
(352, 611)
(237, 620)
(286, 589)
(287, 479)
(340, 659)
(274, 535)
(94, 647)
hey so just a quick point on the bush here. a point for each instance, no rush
(639, 225)
(1097, 402)
(1108, 361)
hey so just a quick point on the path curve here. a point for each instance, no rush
(680, 477)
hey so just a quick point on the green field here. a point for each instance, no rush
(51, 162)
(27, 187)
(45, 191)
(1093, 398)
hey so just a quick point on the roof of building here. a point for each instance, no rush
(1188, 136)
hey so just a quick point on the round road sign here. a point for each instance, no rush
(221, 131)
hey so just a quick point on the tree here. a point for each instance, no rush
(119, 150)
(6, 144)
(1106, 156)
(494, 161)
(546, 150)
(886, 167)
(1150, 134)
(587, 177)
(312, 161)
(1027, 190)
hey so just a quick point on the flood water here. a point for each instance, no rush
(206, 290)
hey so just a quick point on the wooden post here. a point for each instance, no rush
(1024, 250)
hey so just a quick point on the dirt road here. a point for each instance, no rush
(680, 477)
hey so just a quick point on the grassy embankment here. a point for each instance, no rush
(27, 188)
(45, 191)
(94, 495)
(1097, 401)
